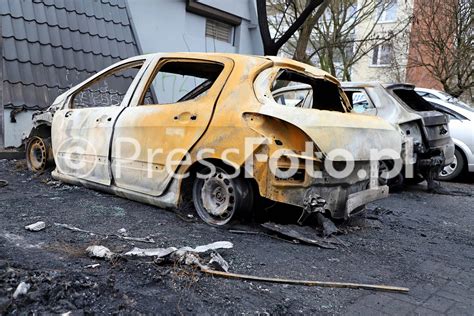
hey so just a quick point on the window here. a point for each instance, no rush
(360, 102)
(108, 90)
(219, 30)
(386, 10)
(179, 81)
(413, 99)
(382, 55)
(295, 97)
(320, 94)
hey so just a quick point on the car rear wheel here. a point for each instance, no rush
(38, 153)
(219, 198)
(454, 169)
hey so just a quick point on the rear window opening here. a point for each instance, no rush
(308, 93)
(413, 100)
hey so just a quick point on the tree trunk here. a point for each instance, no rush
(270, 45)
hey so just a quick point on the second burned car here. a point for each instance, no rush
(166, 128)
(427, 145)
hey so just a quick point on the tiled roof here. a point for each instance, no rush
(51, 45)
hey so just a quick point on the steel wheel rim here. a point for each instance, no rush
(218, 198)
(37, 154)
(450, 169)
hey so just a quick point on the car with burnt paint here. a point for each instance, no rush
(427, 144)
(175, 128)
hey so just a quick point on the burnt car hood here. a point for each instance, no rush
(331, 130)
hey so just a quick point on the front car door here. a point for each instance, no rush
(83, 127)
(169, 113)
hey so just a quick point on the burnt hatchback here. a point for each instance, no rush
(169, 128)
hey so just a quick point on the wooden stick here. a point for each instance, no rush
(308, 283)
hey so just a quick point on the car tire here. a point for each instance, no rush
(453, 170)
(219, 198)
(39, 154)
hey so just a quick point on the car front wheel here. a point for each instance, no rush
(219, 198)
(38, 153)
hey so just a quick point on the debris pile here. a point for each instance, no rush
(184, 255)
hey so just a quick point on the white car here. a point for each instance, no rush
(461, 126)
(439, 95)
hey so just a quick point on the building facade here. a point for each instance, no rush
(196, 26)
(386, 62)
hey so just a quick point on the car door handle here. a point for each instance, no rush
(68, 114)
(185, 116)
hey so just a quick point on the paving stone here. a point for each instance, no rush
(460, 298)
(439, 303)
(422, 311)
(359, 309)
(460, 310)
(398, 307)
(423, 292)
(375, 301)
(459, 289)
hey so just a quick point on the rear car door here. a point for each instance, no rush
(83, 127)
(169, 113)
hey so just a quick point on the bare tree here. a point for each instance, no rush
(442, 39)
(342, 33)
(272, 44)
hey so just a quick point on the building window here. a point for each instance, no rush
(386, 10)
(382, 56)
(219, 30)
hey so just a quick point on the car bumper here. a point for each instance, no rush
(358, 199)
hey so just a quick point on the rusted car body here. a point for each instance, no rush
(427, 145)
(103, 140)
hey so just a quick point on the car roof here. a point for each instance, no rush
(246, 60)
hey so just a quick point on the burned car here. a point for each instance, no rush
(167, 129)
(426, 128)
(427, 145)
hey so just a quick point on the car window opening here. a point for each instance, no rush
(107, 90)
(178, 81)
(413, 100)
(316, 93)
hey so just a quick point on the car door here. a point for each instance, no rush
(169, 113)
(82, 129)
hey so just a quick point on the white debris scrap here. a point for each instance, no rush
(122, 231)
(218, 263)
(151, 252)
(99, 252)
(21, 289)
(92, 266)
(205, 248)
(36, 227)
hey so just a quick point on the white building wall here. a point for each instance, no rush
(15, 132)
(363, 70)
(166, 26)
